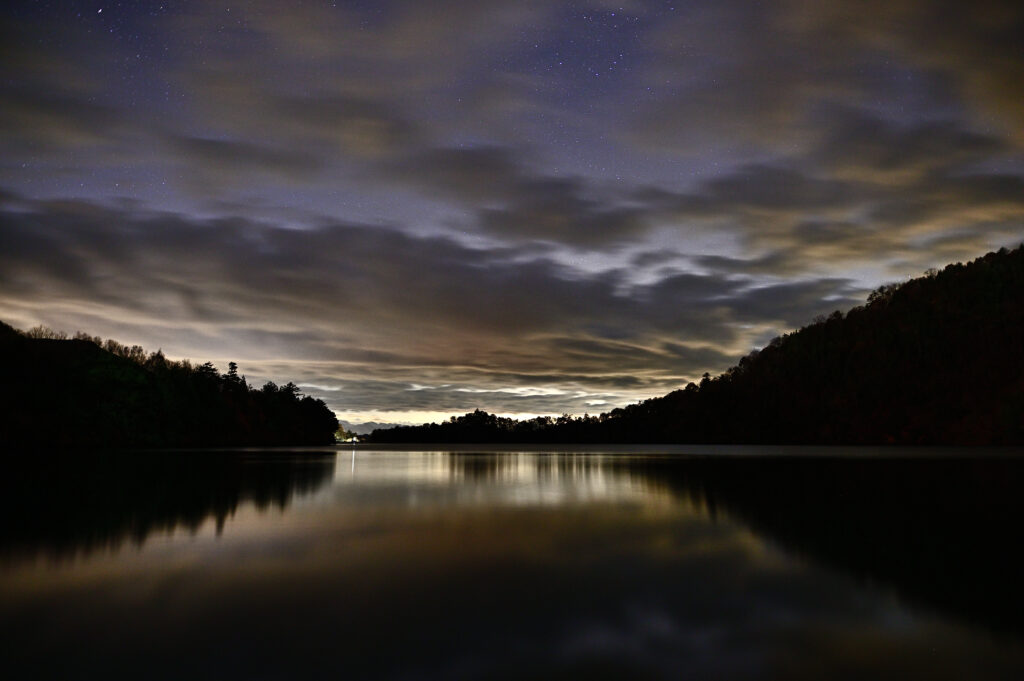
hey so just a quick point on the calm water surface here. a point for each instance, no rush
(515, 564)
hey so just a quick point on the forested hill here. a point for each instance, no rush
(936, 360)
(88, 392)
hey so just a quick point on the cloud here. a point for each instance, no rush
(360, 127)
(734, 77)
(496, 196)
(510, 201)
(976, 47)
(229, 162)
(777, 263)
(869, 186)
(51, 103)
(35, 120)
(378, 307)
(871, 190)
(859, 146)
(488, 173)
(730, 76)
(768, 188)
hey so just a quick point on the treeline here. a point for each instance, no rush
(480, 426)
(90, 392)
(936, 360)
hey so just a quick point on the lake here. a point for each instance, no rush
(521, 563)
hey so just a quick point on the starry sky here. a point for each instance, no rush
(415, 208)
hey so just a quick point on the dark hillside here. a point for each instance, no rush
(937, 360)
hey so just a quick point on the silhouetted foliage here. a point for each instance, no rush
(86, 391)
(935, 360)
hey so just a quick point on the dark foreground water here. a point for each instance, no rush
(802, 564)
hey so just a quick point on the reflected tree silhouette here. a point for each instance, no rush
(941, 531)
(69, 504)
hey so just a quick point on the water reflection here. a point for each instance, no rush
(937, 529)
(487, 479)
(70, 504)
(536, 565)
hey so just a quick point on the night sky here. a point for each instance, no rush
(414, 208)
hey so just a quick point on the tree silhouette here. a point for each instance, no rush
(86, 391)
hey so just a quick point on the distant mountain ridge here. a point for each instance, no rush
(84, 391)
(936, 360)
